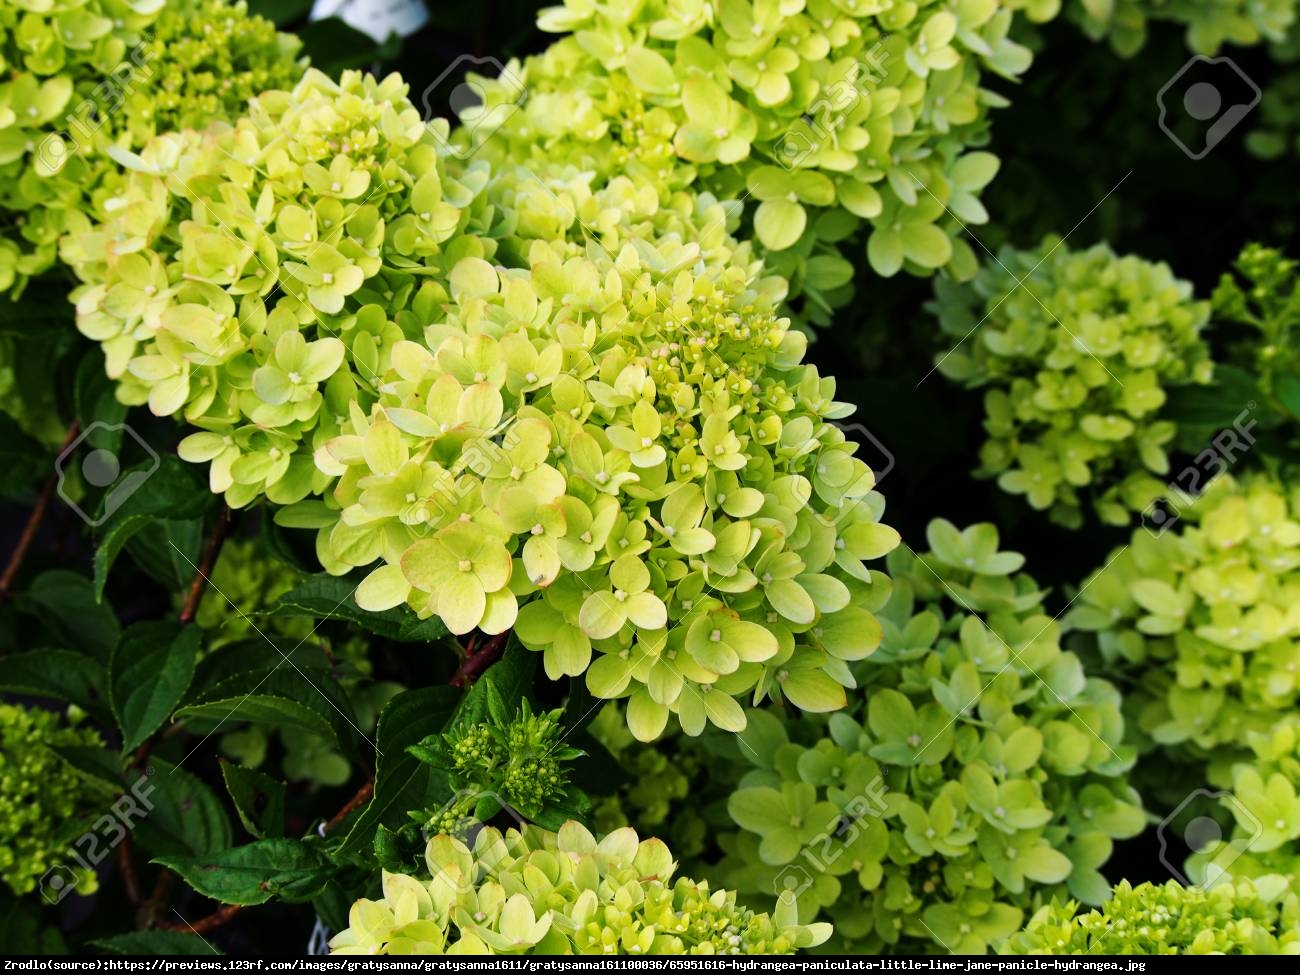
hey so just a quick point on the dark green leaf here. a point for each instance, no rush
(285, 697)
(1215, 405)
(24, 463)
(332, 905)
(65, 602)
(334, 47)
(168, 550)
(501, 687)
(281, 12)
(253, 874)
(60, 674)
(149, 672)
(171, 489)
(100, 768)
(25, 931)
(280, 543)
(113, 540)
(402, 782)
(186, 818)
(331, 597)
(1287, 388)
(259, 799)
(156, 943)
(94, 398)
(256, 655)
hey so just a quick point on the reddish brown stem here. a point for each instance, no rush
(34, 521)
(361, 798)
(205, 924)
(210, 552)
(162, 889)
(225, 913)
(479, 660)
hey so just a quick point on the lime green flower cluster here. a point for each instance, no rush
(538, 892)
(1077, 349)
(43, 802)
(980, 772)
(1207, 614)
(521, 762)
(827, 113)
(617, 450)
(1241, 918)
(86, 76)
(245, 277)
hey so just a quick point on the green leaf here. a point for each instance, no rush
(288, 869)
(334, 47)
(148, 674)
(65, 602)
(507, 681)
(332, 597)
(402, 782)
(174, 490)
(23, 463)
(185, 818)
(59, 674)
(100, 768)
(280, 12)
(285, 697)
(113, 541)
(258, 798)
(94, 398)
(169, 550)
(255, 656)
(156, 943)
(25, 931)
(1215, 405)
(1287, 388)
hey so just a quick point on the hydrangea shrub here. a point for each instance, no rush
(979, 772)
(84, 77)
(1241, 918)
(537, 892)
(815, 116)
(1077, 350)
